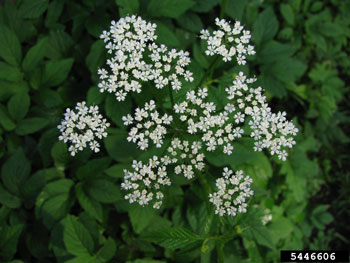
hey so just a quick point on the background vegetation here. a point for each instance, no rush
(55, 208)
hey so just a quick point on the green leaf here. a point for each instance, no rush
(255, 229)
(96, 23)
(141, 217)
(331, 29)
(5, 120)
(199, 56)
(53, 202)
(96, 56)
(127, 7)
(274, 51)
(53, 12)
(115, 110)
(31, 125)
(15, 171)
(259, 169)
(59, 44)
(76, 237)
(203, 6)
(94, 96)
(9, 237)
(57, 71)
(265, 27)
(295, 182)
(287, 13)
(49, 98)
(60, 155)
(326, 218)
(242, 154)
(117, 170)
(10, 48)
(35, 55)
(235, 9)
(288, 70)
(172, 237)
(106, 253)
(103, 191)
(9, 72)
(93, 168)
(271, 84)
(34, 184)
(169, 8)
(166, 35)
(90, 205)
(281, 229)
(33, 8)
(18, 105)
(8, 199)
(321, 215)
(191, 21)
(120, 149)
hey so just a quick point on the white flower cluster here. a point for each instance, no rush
(233, 191)
(187, 156)
(196, 125)
(136, 58)
(149, 125)
(216, 129)
(145, 181)
(82, 128)
(270, 130)
(267, 217)
(228, 41)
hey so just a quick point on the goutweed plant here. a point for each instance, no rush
(186, 125)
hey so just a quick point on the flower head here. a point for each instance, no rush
(136, 59)
(82, 127)
(228, 41)
(233, 192)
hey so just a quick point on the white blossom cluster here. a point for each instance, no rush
(215, 130)
(186, 156)
(267, 217)
(136, 59)
(82, 127)
(149, 125)
(145, 181)
(196, 125)
(200, 116)
(269, 130)
(228, 41)
(233, 191)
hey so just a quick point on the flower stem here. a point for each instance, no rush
(209, 71)
(171, 97)
(203, 181)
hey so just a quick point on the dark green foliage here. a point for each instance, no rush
(56, 208)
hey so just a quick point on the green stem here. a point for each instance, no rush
(220, 250)
(171, 97)
(203, 181)
(209, 71)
